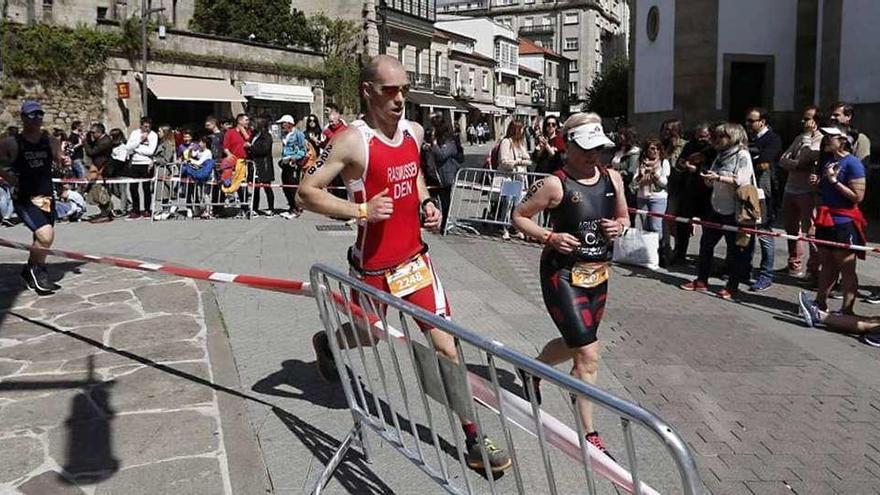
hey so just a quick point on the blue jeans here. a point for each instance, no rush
(6, 208)
(79, 170)
(658, 205)
(737, 259)
(768, 247)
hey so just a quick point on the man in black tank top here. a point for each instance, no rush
(26, 163)
(587, 212)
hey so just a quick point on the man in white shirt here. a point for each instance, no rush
(142, 143)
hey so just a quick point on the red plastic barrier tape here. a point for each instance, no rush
(518, 410)
(766, 233)
(264, 283)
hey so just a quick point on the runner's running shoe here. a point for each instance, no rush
(498, 460)
(36, 280)
(872, 339)
(324, 355)
(597, 442)
(808, 310)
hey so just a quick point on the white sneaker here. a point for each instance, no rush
(189, 213)
(286, 215)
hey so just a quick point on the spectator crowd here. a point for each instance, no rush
(738, 174)
(212, 155)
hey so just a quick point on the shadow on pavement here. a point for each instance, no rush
(304, 377)
(89, 450)
(353, 474)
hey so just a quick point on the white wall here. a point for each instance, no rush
(481, 29)
(859, 52)
(760, 27)
(654, 70)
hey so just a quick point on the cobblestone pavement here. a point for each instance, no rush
(100, 386)
(767, 405)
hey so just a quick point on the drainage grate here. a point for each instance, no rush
(333, 227)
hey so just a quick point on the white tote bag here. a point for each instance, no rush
(638, 248)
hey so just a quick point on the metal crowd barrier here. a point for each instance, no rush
(483, 200)
(176, 194)
(399, 388)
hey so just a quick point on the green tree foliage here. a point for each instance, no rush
(53, 55)
(263, 21)
(338, 39)
(609, 94)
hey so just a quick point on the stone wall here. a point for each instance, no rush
(62, 106)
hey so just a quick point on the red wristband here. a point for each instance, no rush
(548, 237)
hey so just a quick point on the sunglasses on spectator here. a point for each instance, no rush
(391, 90)
(552, 124)
(34, 115)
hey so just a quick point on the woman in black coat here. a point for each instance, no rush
(260, 151)
(447, 156)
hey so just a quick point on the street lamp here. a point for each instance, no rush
(145, 15)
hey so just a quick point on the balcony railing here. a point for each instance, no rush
(419, 81)
(442, 85)
(537, 30)
(505, 101)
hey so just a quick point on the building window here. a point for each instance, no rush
(102, 13)
(528, 22)
(546, 21)
(47, 7)
(527, 2)
(573, 66)
(549, 69)
(507, 21)
(471, 77)
(485, 81)
(571, 44)
(573, 88)
(401, 54)
(570, 18)
(438, 63)
(457, 76)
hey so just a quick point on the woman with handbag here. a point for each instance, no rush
(587, 209)
(729, 176)
(513, 158)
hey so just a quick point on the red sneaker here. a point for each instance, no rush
(696, 285)
(134, 215)
(597, 442)
(725, 294)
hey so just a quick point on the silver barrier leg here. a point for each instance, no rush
(542, 438)
(631, 454)
(336, 460)
(362, 299)
(462, 367)
(346, 362)
(366, 368)
(444, 468)
(585, 453)
(493, 375)
(454, 426)
(403, 391)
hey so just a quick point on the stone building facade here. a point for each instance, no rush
(711, 59)
(589, 33)
(190, 75)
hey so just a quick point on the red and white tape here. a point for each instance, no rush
(264, 283)
(518, 410)
(747, 230)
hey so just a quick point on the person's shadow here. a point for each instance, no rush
(300, 380)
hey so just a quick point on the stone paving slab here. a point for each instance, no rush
(102, 386)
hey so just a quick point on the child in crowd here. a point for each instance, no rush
(70, 205)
